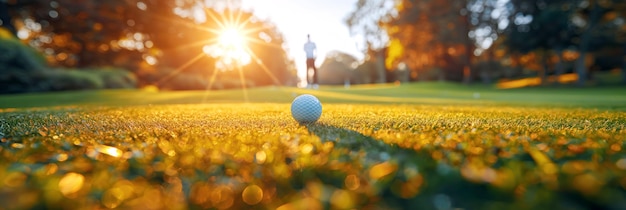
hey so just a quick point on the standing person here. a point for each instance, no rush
(311, 49)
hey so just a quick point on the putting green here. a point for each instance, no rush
(195, 149)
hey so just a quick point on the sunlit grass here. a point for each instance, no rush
(420, 93)
(254, 155)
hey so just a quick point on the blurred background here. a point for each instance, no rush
(190, 44)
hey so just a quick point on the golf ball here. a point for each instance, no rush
(306, 108)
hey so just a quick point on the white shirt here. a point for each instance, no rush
(309, 48)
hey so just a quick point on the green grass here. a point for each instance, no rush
(420, 93)
(427, 146)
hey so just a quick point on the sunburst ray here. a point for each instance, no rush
(231, 52)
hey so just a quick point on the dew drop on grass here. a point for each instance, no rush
(62, 157)
(616, 147)
(109, 150)
(342, 199)
(306, 148)
(71, 183)
(17, 145)
(382, 169)
(621, 164)
(112, 198)
(304, 203)
(252, 195)
(260, 157)
(352, 182)
(15, 179)
(51, 169)
(222, 197)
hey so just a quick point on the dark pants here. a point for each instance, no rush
(310, 64)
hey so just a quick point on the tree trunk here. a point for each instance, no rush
(517, 69)
(381, 72)
(83, 60)
(559, 68)
(5, 17)
(581, 68)
(491, 66)
(624, 65)
(543, 74)
(469, 51)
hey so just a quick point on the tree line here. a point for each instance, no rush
(483, 40)
(162, 43)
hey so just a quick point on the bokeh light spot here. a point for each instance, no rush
(112, 151)
(382, 169)
(252, 195)
(260, 157)
(342, 199)
(71, 183)
(352, 182)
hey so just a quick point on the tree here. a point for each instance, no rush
(154, 39)
(601, 25)
(592, 12)
(366, 21)
(338, 68)
(5, 18)
(272, 65)
(433, 35)
(489, 18)
(588, 26)
(620, 9)
(543, 26)
(80, 34)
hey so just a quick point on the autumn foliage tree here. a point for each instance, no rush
(153, 39)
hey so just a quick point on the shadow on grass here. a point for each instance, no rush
(346, 138)
(445, 187)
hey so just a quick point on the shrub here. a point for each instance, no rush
(434, 73)
(59, 80)
(16, 56)
(113, 78)
(17, 81)
(24, 69)
(183, 81)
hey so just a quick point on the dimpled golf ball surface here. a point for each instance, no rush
(306, 108)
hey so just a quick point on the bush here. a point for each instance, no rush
(15, 56)
(23, 69)
(59, 80)
(432, 74)
(227, 83)
(115, 78)
(15, 81)
(183, 81)
(74, 79)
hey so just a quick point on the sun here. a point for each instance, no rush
(235, 45)
(230, 49)
(228, 44)
(232, 38)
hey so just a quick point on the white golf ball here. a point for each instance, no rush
(306, 108)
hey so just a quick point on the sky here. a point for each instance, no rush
(323, 19)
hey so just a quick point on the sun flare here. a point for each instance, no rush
(232, 38)
(230, 49)
(228, 43)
